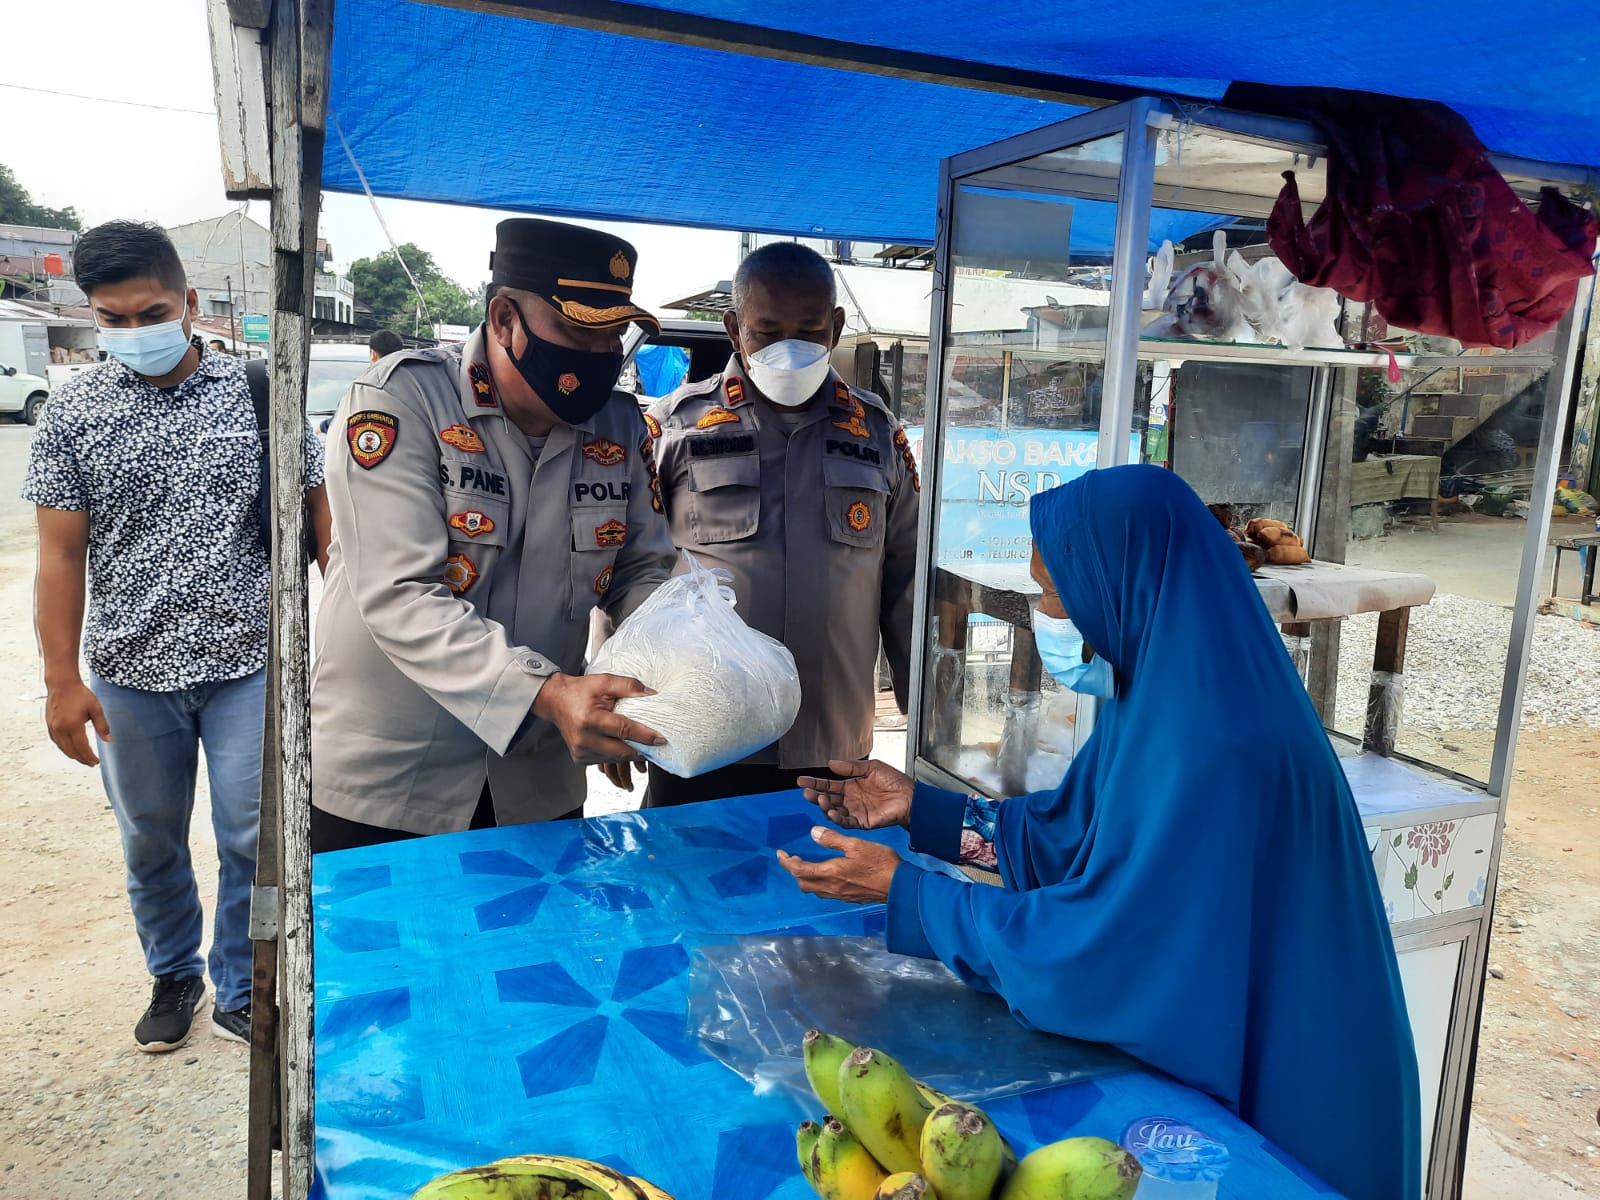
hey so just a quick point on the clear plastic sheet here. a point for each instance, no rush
(751, 1000)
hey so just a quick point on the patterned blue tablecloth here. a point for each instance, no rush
(523, 990)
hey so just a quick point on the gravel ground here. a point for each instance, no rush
(1455, 662)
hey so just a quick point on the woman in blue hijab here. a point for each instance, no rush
(1198, 891)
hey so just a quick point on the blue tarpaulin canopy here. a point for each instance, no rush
(469, 107)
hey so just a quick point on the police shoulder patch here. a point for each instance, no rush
(371, 435)
(653, 425)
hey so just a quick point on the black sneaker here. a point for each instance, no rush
(168, 1021)
(233, 1024)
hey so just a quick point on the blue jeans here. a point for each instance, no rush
(149, 768)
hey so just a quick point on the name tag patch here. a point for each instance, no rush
(710, 447)
(588, 490)
(371, 435)
(866, 454)
(472, 478)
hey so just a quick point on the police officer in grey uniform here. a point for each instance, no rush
(804, 488)
(486, 498)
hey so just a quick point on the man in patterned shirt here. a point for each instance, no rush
(146, 470)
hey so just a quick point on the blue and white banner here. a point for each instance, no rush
(989, 477)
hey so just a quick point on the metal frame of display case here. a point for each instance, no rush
(1135, 191)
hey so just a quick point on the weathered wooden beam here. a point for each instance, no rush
(263, 1123)
(300, 39)
(250, 14)
(238, 72)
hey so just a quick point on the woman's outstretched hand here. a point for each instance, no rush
(860, 875)
(870, 795)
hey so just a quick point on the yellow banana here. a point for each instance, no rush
(597, 1177)
(841, 1167)
(824, 1054)
(650, 1190)
(905, 1186)
(805, 1141)
(532, 1177)
(884, 1108)
(963, 1153)
(1084, 1168)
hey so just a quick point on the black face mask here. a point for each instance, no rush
(574, 384)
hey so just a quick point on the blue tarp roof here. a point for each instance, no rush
(464, 107)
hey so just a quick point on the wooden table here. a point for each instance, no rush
(1296, 598)
(1577, 545)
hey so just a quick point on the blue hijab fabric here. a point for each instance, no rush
(1198, 891)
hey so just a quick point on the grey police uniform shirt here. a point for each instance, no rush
(462, 574)
(815, 516)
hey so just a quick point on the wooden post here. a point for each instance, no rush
(1333, 532)
(263, 1128)
(300, 41)
(1388, 672)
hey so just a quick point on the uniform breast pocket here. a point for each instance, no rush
(857, 501)
(724, 497)
(598, 532)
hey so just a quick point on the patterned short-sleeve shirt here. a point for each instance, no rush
(178, 575)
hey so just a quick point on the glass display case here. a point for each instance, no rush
(1098, 300)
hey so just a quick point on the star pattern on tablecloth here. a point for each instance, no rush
(570, 1057)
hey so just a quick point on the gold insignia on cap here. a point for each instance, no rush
(587, 314)
(619, 265)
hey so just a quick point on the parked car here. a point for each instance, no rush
(333, 367)
(22, 395)
(707, 344)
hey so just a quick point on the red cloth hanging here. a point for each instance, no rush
(1418, 221)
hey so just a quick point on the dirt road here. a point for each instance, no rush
(84, 1116)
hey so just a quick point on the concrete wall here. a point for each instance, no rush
(225, 248)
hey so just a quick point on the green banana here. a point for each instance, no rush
(841, 1167)
(884, 1107)
(824, 1055)
(934, 1097)
(1082, 1168)
(963, 1154)
(533, 1177)
(905, 1186)
(805, 1141)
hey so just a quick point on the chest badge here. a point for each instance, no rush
(605, 452)
(462, 437)
(610, 535)
(859, 516)
(602, 581)
(459, 573)
(718, 416)
(371, 435)
(482, 389)
(472, 522)
(567, 384)
(853, 424)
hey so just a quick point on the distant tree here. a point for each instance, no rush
(696, 314)
(17, 207)
(381, 284)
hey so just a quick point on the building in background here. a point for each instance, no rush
(228, 260)
(36, 264)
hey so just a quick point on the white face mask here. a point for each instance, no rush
(788, 372)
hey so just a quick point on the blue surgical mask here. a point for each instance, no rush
(148, 350)
(1060, 647)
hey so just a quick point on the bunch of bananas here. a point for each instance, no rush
(539, 1177)
(890, 1137)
